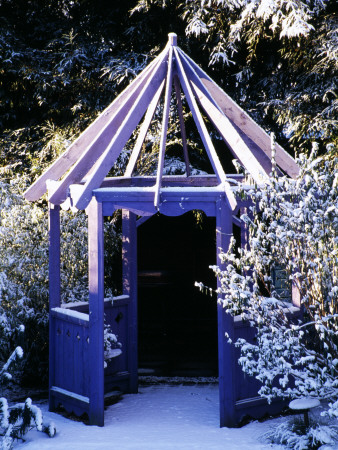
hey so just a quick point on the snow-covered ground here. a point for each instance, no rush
(159, 417)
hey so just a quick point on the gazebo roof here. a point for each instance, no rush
(83, 167)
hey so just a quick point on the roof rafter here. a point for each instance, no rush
(168, 89)
(86, 163)
(246, 153)
(182, 126)
(143, 131)
(243, 121)
(79, 146)
(203, 131)
(109, 156)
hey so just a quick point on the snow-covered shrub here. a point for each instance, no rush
(292, 434)
(292, 223)
(24, 272)
(17, 420)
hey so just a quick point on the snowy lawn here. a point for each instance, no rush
(158, 417)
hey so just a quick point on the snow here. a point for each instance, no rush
(304, 403)
(72, 313)
(161, 417)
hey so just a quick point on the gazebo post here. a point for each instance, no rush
(226, 353)
(54, 285)
(129, 273)
(96, 312)
(54, 256)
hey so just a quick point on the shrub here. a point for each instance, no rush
(293, 223)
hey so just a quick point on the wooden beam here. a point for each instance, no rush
(54, 257)
(108, 158)
(129, 266)
(167, 180)
(54, 288)
(143, 131)
(244, 122)
(203, 131)
(101, 142)
(255, 161)
(96, 313)
(62, 164)
(246, 154)
(165, 120)
(182, 126)
(226, 351)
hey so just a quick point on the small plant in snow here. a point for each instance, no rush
(110, 342)
(17, 420)
(292, 434)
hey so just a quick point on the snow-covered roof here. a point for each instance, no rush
(90, 157)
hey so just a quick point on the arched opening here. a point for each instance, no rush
(177, 323)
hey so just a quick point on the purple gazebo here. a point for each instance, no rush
(78, 379)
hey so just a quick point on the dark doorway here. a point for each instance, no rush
(177, 323)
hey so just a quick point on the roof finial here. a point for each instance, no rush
(172, 39)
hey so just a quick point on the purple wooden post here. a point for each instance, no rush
(96, 312)
(54, 256)
(54, 286)
(129, 265)
(226, 356)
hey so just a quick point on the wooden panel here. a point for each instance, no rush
(244, 122)
(68, 360)
(118, 373)
(246, 387)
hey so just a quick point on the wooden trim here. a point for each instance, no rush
(63, 394)
(167, 180)
(71, 316)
